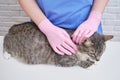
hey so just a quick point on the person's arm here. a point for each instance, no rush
(99, 5)
(32, 10)
(87, 28)
(58, 38)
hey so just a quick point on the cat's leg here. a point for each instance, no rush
(86, 64)
(6, 55)
(66, 61)
(93, 65)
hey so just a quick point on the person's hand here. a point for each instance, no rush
(58, 38)
(87, 28)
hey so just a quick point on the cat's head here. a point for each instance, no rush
(93, 47)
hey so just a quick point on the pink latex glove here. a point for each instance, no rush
(58, 38)
(87, 28)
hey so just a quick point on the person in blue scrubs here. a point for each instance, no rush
(53, 16)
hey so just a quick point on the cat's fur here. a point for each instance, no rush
(28, 44)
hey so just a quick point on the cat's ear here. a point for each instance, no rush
(108, 37)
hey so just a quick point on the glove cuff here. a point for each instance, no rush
(95, 18)
(45, 26)
(95, 15)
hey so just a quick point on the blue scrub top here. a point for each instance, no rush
(68, 14)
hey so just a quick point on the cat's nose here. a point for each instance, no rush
(97, 58)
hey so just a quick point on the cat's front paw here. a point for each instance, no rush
(86, 64)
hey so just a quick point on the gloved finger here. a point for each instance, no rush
(89, 34)
(71, 44)
(83, 36)
(65, 51)
(58, 51)
(79, 36)
(75, 34)
(69, 48)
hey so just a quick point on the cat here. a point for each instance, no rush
(26, 43)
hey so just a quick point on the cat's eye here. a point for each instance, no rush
(92, 51)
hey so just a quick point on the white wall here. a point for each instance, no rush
(111, 19)
(11, 13)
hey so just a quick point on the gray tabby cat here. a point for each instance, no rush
(26, 43)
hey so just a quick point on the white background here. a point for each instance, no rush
(107, 69)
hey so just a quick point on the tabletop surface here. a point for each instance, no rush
(107, 69)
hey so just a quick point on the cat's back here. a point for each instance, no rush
(23, 29)
(26, 41)
(22, 34)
